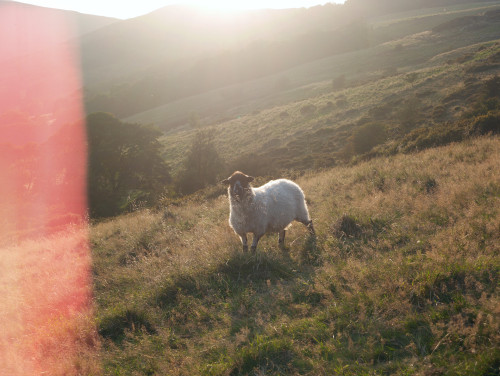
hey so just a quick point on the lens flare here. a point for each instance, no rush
(45, 309)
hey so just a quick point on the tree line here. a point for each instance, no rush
(126, 167)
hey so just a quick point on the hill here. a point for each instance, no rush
(79, 24)
(140, 64)
(401, 280)
(415, 58)
(156, 54)
(314, 125)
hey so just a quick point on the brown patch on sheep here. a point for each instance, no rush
(238, 176)
(239, 184)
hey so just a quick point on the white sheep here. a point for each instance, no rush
(269, 208)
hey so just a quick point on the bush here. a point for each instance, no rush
(367, 136)
(489, 123)
(427, 137)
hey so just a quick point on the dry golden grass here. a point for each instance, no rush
(413, 291)
(48, 317)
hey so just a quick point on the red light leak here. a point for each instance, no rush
(45, 310)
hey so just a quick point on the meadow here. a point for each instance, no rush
(396, 147)
(402, 278)
(117, 255)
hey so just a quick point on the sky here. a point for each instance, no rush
(113, 8)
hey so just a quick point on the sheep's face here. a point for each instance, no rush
(239, 185)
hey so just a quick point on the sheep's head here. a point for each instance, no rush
(239, 184)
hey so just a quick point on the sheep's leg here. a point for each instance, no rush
(310, 227)
(255, 241)
(281, 238)
(244, 242)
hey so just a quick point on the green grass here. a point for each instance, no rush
(403, 276)
(412, 291)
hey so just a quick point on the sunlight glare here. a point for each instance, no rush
(231, 6)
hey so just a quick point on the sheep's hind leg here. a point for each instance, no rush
(255, 241)
(244, 242)
(281, 238)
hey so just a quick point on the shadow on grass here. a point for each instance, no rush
(236, 273)
(115, 325)
(310, 254)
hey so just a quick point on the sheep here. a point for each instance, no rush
(269, 208)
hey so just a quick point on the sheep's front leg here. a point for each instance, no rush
(281, 238)
(244, 242)
(310, 227)
(255, 241)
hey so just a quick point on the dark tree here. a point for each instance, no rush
(125, 164)
(202, 164)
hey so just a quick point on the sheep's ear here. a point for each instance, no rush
(225, 182)
(250, 178)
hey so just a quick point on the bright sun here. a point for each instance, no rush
(225, 6)
(243, 5)
(137, 8)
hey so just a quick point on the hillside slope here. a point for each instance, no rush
(402, 279)
(313, 127)
(175, 53)
(393, 42)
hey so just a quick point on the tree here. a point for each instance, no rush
(125, 164)
(202, 164)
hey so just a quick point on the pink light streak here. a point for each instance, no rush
(45, 289)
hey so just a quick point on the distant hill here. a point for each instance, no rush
(80, 23)
(167, 41)
(39, 70)
(391, 6)
(178, 52)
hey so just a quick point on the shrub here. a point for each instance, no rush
(367, 136)
(427, 137)
(489, 123)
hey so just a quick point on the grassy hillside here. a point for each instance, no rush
(402, 278)
(395, 44)
(313, 126)
(129, 69)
